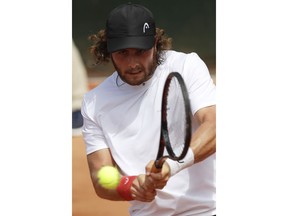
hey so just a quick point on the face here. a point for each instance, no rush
(135, 66)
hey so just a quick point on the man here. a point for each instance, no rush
(122, 119)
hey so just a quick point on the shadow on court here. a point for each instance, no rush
(84, 200)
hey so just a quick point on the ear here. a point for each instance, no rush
(155, 42)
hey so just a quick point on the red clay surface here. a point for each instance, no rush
(85, 202)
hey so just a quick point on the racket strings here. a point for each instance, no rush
(176, 117)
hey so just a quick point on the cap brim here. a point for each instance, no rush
(116, 44)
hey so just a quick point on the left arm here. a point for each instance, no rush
(203, 142)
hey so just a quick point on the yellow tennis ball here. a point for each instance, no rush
(108, 177)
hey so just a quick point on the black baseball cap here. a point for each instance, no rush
(130, 26)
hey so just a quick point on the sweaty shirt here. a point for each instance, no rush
(126, 119)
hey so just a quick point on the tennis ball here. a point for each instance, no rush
(108, 177)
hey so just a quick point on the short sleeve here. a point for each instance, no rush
(92, 131)
(201, 88)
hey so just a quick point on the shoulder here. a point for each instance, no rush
(172, 54)
(100, 91)
(174, 58)
(180, 61)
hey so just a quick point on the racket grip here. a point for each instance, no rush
(155, 169)
(157, 166)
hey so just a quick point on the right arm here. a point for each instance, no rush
(96, 160)
(103, 157)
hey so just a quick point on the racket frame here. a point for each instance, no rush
(164, 136)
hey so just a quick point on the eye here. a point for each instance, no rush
(122, 52)
(141, 51)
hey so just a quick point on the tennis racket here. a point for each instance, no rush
(176, 122)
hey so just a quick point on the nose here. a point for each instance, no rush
(132, 62)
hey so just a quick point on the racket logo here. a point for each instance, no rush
(145, 26)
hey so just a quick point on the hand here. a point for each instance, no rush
(140, 191)
(157, 180)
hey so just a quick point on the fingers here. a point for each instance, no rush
(160, 185)
(141, 194)
(149, 183)
(144, 186)
(149, 167)
(140, 191)
(159, 179)
(164, 171)
(155, 181)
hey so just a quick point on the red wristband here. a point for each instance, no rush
(124, 187)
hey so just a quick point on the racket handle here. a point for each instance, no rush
(157, 166)
(155, 169)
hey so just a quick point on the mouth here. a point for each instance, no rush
(134, 72)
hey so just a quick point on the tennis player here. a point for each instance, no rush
(122, 119)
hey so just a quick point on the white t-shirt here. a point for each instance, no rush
(126, 119)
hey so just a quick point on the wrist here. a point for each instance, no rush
(124, 187)
(176, 167)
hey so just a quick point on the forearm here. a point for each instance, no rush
(129, 187)
(109, 194)
(96, 161)
(203, 141)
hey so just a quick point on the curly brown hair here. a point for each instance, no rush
(101, 54)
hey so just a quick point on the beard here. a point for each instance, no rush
(146, 73)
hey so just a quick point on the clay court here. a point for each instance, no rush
(84, 200)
